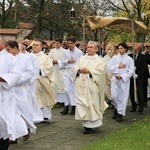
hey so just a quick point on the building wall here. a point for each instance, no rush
(10, 37)
(19, 36)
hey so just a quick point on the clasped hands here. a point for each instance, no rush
(118, 77)
(121, 65)
(84, 70)
(71, 60)
(55, 61)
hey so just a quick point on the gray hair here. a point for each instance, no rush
(94, 43)
(22, 46)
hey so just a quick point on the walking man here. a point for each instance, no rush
(69, 59)
(122, 68)
(89, 74)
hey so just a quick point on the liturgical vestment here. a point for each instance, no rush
(12, 125)
(57, 53)
(120, 88)
(89, 91)
(68, 74)
(45, 93)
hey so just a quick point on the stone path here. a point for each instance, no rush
(65, 133)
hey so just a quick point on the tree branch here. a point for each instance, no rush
(116, 6)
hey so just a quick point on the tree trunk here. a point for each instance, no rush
(41, 16)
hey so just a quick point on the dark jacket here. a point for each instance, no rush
(141, 65)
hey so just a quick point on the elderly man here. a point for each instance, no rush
(140, 75)
(45, 93)
(89, 73)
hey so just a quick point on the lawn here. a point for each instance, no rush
(134, 137)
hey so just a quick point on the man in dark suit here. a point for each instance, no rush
(146, 53)
(102, 51)
(139, 76)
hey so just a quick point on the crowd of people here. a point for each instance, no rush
(84, 78)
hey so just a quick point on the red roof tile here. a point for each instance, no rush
(26, 25)
(10, 31)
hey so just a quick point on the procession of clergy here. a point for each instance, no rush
(31, 83)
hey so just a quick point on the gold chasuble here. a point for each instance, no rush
(45, 93)
(89, 90)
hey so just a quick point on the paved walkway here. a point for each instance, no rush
(65, 133)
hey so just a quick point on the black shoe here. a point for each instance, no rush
(133, 108)
(145, 105)
(87, 130)
(65, 111)
(140, 110)
(72, 111)
(119, 118)
(59, 104)
(46, 120)
(115, 114)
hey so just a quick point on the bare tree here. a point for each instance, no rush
(53, 16)
(5, 7)
(139, 6)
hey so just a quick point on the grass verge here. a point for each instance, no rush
(134, 137)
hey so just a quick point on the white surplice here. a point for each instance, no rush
(23, 102)
(120, 88)
(12, 125)
(89, 91)
(36, 111)
(68, 74)
(5, 131)
(57, 53)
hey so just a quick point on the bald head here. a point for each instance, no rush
(2, 42)
(22, 48)
(137, 48)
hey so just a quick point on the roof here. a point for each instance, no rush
(26, 25)
(10, 31)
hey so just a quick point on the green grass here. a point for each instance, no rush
(134, 137)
